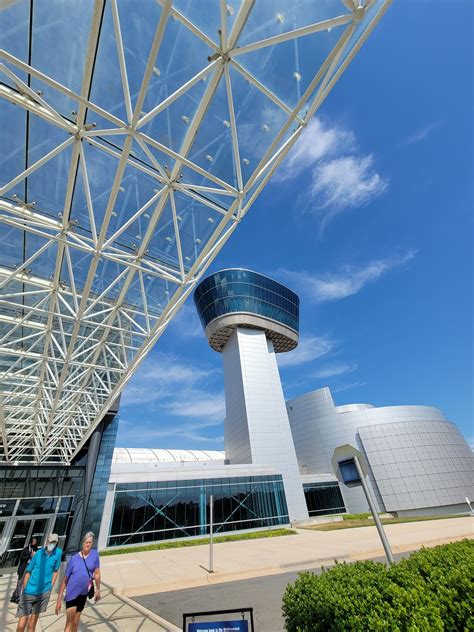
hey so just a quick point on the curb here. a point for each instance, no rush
(222, 578)
(408, 548)
(167, 625)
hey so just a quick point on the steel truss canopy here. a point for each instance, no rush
(134, 138)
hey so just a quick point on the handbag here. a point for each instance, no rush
(91, 591)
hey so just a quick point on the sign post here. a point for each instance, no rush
(373, 510)
(211, 533)
(347, 463)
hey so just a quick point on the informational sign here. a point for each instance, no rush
(349, 472)
(219, 626)
(224, 621)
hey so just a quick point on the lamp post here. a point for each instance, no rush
(350, 469)
(211, 533)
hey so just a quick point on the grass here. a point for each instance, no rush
(177, 544)
(350, 521)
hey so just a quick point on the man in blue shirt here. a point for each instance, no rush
(41, 573)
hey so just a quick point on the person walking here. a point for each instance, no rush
(25, 556)
(40, 576)
(81, 580)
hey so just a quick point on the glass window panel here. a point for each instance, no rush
(33, 506)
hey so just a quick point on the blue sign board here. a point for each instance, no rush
(349, 472)
(219, 626)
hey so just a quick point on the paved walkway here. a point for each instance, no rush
(114, 613)
(174, 569)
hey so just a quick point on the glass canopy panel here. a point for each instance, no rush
(13, 144)
(102, 240)
(212, 149)
(14, 29)
(67, 24)
(258, 120)
(170, 126)
(209, 21)
(11, 248)
(267, 19)
(138, 29)
(288, 68)
(46, 187)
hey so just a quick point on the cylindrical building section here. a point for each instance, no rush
(243, 298)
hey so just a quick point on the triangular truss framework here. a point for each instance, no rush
(103, 271)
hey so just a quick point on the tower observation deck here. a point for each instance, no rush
(249, 318)
(238, 297)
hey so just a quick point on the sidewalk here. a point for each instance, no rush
(174, 569)
(114, 613)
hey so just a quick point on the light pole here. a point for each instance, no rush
(350, 469)
(373, 511)
(211, 533)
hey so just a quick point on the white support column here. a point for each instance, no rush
(256, 428)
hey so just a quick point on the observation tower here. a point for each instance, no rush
(249, 317)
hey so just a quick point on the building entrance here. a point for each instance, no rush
(25, 518)
(18, 534)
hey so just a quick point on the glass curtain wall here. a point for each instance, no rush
(147, 512)
(238, 290)
(323, 498)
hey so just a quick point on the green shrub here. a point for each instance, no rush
(430, 591)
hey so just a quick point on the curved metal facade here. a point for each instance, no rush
(418, 459)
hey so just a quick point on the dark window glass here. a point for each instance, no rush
(35, 506)
(60, 524)
(7, 507)
(183, 511)
(241, 290)
(323, 498)
(65, 504)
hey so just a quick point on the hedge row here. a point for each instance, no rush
(431, 590)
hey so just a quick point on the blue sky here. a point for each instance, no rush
(369, 220)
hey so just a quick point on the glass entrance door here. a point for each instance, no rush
(18, 541)
(23, 530)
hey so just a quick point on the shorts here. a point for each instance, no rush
(32, 604)
(78, 603)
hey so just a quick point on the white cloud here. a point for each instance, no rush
(421, 134)
(308, 349)
(330, 370)
(186, 322)
(316, 142)
(341, 178)
(349, 281)
(199, 404)
(163, 376)
(180, 432)
(346, 387)
(175, 401)
(343, 183)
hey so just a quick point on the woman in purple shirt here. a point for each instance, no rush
(82, 571)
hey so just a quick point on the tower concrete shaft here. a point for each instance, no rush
(256, 428)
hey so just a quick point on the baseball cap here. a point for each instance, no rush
(53, 537)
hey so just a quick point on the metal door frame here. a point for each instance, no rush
(10, 528)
